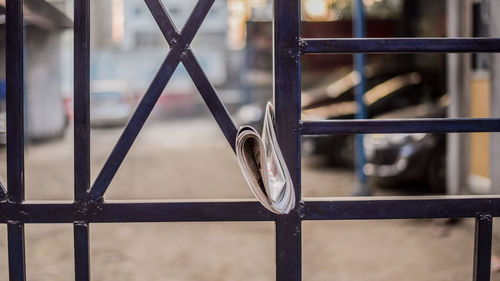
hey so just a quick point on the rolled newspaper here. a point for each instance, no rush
(263, 166)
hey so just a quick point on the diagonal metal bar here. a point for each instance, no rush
(154, 91)
(163, 21)
(209, 95)
(195, 20)
(206, 89)
(135, 124)
(167, 26)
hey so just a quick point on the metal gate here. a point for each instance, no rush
(89, 206)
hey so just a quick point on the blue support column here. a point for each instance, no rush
(359, 64)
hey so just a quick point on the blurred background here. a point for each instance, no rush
(181, 153)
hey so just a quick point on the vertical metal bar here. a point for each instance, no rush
(286, 46)
(17, 261)
(15, 132)
(82, 258)
(482, 248)
(15, 100)
(359, 66)
(81, 98)
(81, 132)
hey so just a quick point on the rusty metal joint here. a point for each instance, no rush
(302, 45)
(81, 223)
(88, 207)
(301, 209)
(484, 217)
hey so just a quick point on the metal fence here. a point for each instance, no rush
(89, 206)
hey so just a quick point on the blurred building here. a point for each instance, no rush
(128, 45)
(44, 23)
(473, 88)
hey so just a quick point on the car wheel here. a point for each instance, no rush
(436, 172)
(347, 151)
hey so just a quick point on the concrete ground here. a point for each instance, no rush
(190, 159)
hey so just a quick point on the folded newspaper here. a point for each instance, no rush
(263, 166)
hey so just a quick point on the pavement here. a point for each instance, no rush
(189, 160)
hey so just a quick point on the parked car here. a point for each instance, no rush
(418, 158)
(3, 129)
(110, 103)
(396, 92)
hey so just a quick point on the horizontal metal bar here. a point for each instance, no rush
(401, 45)
(98, 212)
(236, 210)
(434, 125)
(401, 209)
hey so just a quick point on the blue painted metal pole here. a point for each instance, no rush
(359, 64)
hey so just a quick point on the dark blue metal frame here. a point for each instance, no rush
(90, 207)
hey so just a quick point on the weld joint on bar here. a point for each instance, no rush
(87, 208)
(294, 55)
(81, 223)
(178, 43)
(302, 45)
(301, 209)
(484, 217)
(14, 213)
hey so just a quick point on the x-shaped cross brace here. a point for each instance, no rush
(179, 51)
